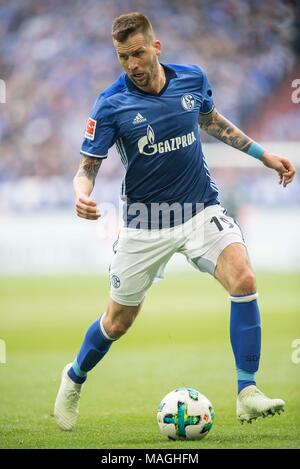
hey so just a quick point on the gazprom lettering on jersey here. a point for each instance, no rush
(158, 139)
(147, 146)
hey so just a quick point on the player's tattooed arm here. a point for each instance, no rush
(89, 167)
(218, 126)
(221, 128)
(83, 183)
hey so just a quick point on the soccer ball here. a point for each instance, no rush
(185, 414)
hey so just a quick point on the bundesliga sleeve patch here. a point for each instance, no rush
(90, 129)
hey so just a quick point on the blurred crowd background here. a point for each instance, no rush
(55, 57)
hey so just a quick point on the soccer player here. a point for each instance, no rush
(152, 112)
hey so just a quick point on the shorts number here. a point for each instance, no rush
(218, 223)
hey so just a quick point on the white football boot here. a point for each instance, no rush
(66, 408)
(253, 404)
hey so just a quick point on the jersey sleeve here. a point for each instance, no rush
(100, 132)
(206, 91)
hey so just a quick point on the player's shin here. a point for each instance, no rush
(245, 336)
(95, 345)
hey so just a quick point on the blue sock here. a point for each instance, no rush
(95, 345)
(245, 336)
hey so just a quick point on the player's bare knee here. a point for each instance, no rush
(243, 284)
(116, 329)
(118, 319)
(118, 326)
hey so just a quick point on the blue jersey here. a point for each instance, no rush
(157, 137)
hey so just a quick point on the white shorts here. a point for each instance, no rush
(141, 255)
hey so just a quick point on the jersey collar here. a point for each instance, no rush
(169, 72)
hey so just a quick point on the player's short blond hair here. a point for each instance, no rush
(131, 23)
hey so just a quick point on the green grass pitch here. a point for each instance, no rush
(181, 338)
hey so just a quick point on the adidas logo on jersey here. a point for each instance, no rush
(139, 119)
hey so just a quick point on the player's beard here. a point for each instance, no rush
(148, 77)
